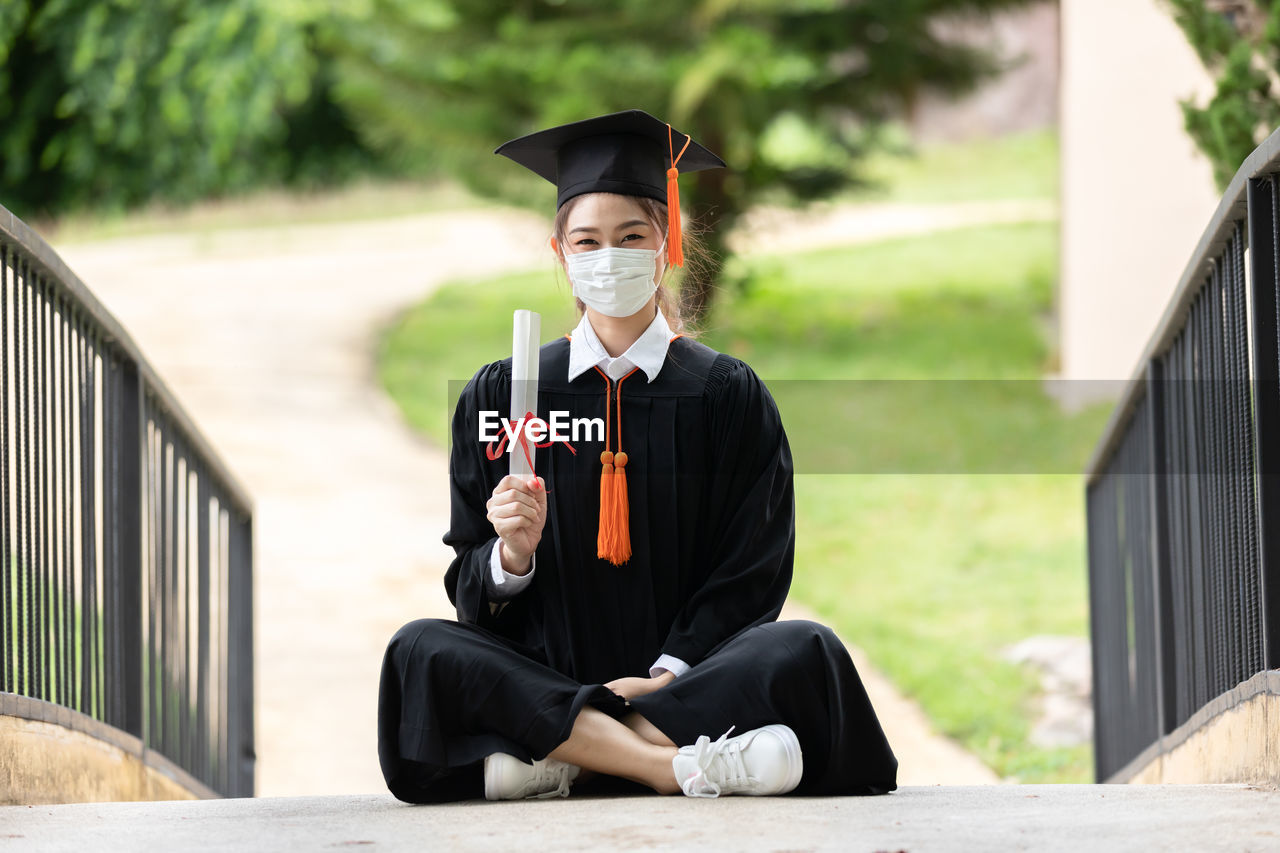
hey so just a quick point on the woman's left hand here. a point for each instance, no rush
(630, 688)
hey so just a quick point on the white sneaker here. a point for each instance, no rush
(508, 778)
(760, 762)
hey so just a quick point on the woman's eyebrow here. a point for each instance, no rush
(632, 224)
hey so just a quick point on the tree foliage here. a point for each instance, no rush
(791, 93)
(1238, 41)
(111, 102)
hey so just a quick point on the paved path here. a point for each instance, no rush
(267, 337)
(984, 818)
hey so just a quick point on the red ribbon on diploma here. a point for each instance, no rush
(493, 454)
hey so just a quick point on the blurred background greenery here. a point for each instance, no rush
(114, 103)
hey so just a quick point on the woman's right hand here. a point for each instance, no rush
(518, 511)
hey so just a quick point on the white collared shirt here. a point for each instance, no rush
(648, 353)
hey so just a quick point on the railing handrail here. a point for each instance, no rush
(1230, 209)
(41, 253)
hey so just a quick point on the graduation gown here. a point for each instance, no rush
(712, 530)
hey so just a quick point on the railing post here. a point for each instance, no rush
(1263, 199)
(1161, 594)
(240, 749)
(204, 496)
(123, 515)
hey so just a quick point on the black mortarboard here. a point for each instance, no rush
(630, 152)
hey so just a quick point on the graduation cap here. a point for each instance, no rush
(630, 152)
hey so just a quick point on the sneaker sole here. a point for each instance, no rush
(795, 759)
(490, 782)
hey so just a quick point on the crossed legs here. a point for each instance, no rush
(631, 748)
(646, 729)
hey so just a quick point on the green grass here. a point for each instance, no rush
(965, 304)
(911, 309)
(1021, 165)
(934, 574)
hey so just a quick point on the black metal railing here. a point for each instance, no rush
(126, 584)
(1182, 494)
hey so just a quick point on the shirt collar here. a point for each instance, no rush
(647, 353)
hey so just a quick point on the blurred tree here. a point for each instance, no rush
(1238, 41)
(112, 102)
(791, 93)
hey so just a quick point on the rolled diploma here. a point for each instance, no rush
(527, 326)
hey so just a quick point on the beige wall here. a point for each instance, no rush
(1136, 194)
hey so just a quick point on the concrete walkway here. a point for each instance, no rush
(985, 818)
(267, 337)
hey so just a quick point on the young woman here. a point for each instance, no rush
(617, 611)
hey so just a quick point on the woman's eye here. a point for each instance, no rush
(585, 241)
(629, 236)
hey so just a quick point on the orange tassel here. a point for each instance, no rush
(621, 550)
(613, 537)
(675, 245)
(607, 490)
(675, 242)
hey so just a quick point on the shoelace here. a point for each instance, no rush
(545, 774)
(729, 768)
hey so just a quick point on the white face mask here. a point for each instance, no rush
(614, 281)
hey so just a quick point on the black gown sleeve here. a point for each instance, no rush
(750, 532)
(472, 478)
